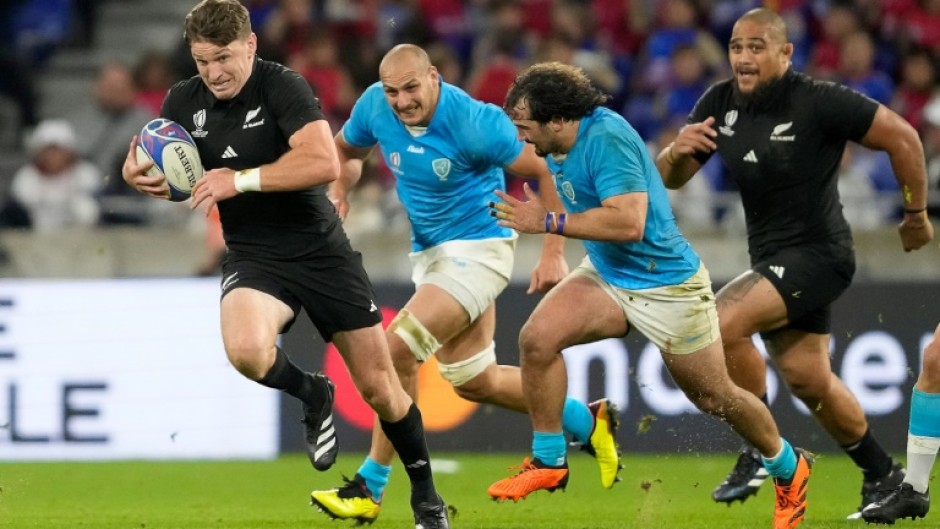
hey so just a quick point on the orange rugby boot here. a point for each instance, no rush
(791, 494)
(532, 477)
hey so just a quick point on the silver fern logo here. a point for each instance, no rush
(781, 128)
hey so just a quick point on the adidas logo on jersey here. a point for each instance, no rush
(750, 156)
(229, 153)
(777, 270)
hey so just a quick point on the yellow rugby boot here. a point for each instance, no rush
(603, 441)
(352, 501)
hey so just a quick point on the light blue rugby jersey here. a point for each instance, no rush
(445, 177)
(610, 159)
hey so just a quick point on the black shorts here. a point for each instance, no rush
(809, 278)
(334, 290)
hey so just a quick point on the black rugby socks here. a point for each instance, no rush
(407, 436)
(289, 378)
(869, 456)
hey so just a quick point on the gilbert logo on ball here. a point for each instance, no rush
(174, 156)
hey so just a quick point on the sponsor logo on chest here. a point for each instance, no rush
(777, 134)
(252, 114)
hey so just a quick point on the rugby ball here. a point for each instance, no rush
(174, 156)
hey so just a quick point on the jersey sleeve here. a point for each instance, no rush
(842, 111)
(293, 102)
(358, 128)
(703, 108)
(493, 137)
(616, 163)
(168, 109)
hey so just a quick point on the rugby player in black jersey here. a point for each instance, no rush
(269, 155)
(781, 135)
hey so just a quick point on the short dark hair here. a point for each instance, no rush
(219, 22)
(554, 90)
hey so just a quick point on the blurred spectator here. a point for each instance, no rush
(689, 81)
(490, 81)
(354, 19)
(446, 62)
(621, 25)
(504, 33)
(106, 131)
(38, 27)
(17, 84)
(258, 11)
(856, 68)
(922, 25)
(153, 77)
(285, 30)
(318, 63)
(561, 49)
(448, 21)
(56, 189)
(837, 23)
(931, 134)
(575, 25)
(678, 25)
(398, 21)
(915, 87)
(863, 206)
(85, 26)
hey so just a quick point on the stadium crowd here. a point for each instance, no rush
(655, 58)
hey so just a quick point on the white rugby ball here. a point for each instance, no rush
(174, 156)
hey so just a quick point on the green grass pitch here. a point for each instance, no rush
(657, 491)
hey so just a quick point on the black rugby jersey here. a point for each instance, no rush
(252, 129)
(784, 153)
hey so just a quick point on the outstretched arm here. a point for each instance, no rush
(675, 162)
(891, 133)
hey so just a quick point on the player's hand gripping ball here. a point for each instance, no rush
(174, 156)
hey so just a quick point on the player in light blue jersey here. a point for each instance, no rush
(448, 152)
(639, 272)
(911, 499)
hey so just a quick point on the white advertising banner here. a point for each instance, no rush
(124, 369)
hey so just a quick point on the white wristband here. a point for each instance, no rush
(248, 180)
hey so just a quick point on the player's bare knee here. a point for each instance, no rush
(416, 337)
(534, 347)
(812, 391)
(709, 402)
(469, 377)
(248, 359)
(405, 362)
(930, 371)
(377, 392)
